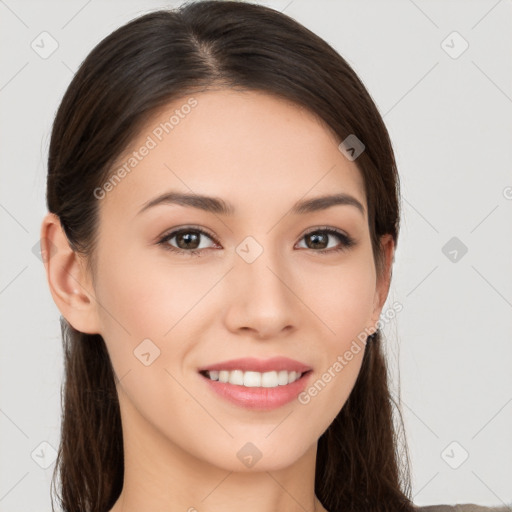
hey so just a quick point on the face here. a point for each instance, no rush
(180, 288)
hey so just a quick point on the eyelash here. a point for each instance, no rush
(346, 241)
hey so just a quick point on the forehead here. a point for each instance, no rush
(249, 147)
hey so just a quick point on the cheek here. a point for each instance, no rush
(343, 297)
(142, 300)
(135, 306)
(343, 300)
(148, 298)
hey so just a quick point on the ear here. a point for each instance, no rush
(70, 284)
(383, 275)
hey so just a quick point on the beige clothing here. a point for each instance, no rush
(465, 507)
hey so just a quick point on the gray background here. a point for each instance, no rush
(449, 117)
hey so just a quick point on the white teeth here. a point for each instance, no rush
(282, 377)
(236, 377)
(270, 379)
(252, 379)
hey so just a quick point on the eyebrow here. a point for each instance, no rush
(221, 207)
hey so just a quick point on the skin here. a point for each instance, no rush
(181, 439)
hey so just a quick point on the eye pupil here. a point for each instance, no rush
(315, 240)
(187, 236)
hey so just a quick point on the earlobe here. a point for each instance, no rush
(69, 283)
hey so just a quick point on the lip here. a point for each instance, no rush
(258, 398)
(251, 364)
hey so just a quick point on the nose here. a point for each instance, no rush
(261, 297)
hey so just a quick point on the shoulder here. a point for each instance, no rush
(464, 507)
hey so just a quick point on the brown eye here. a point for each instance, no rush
(188, 241)
(318, 240)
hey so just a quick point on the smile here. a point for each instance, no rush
(250, 379)
(259, 391)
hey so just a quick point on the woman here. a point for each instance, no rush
(223, 214)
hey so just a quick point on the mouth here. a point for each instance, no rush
(256, 384)
(252, 379)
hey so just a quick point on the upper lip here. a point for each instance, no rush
(259, 365)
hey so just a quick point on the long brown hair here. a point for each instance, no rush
(362, 461)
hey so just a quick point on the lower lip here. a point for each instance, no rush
(259, 398)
